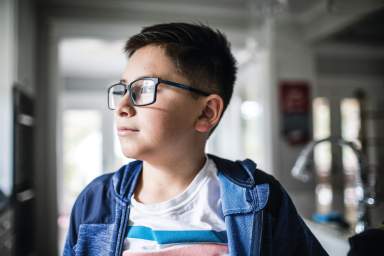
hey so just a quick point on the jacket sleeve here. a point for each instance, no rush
(73, 227)
(285, 232)
(93, 205)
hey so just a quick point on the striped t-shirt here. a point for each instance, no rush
(191, 223)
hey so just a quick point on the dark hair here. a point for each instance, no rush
(200, 53)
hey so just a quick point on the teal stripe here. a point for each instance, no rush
(178, 236)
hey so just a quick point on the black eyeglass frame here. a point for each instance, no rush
(157, 81)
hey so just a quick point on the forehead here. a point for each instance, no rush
(150, 60)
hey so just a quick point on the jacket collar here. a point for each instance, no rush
(240, 180)
(241, 173)
(125, 180)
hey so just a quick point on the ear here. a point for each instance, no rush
(213, 106)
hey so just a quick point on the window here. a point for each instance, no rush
(322, 130)
(350, 128)
(322, 154)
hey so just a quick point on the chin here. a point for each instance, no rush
(142, 154)
(130, 154)
(133, 151)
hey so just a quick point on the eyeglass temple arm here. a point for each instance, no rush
(189, 88)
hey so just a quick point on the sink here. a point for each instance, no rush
(334, 241)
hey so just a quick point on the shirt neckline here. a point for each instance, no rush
(179, 200)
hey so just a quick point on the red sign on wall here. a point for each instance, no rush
(295, 111)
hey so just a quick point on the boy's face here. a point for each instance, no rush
(165, 127)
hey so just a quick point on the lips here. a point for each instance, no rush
(121, 131)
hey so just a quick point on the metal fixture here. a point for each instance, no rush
(364, 183)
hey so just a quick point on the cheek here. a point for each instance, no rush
(168, 126)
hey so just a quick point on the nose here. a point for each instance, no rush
(125, 107)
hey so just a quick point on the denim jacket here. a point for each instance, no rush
(260, 217)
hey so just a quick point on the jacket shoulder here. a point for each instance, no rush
(244, 173)
(242, 181)
(94, 202)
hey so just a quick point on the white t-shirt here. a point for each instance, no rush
(191, 223)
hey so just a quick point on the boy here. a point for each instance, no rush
(177, 200)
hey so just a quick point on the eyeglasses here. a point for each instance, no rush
(142, 91)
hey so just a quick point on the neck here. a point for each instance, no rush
(166, 178)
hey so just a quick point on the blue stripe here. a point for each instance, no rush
(178, 236)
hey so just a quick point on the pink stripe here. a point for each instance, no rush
(187, 250)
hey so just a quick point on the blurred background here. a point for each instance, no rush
(311, 77)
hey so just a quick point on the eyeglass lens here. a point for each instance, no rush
(142, 93)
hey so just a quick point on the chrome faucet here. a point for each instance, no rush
(367, 186)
